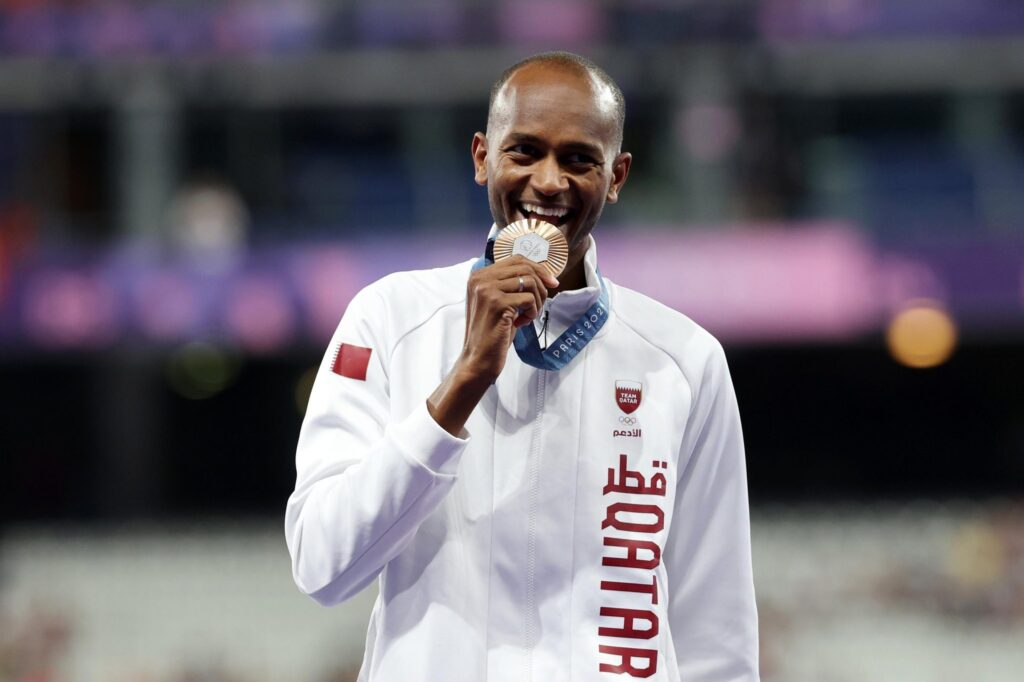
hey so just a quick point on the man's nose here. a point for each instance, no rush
(548, 177)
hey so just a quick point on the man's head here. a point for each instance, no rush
(575, 64)
(552, 146)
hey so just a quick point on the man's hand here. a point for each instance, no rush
(499, 299)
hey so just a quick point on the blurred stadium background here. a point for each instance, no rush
(190, 193)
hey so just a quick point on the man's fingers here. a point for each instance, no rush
(524, 305)
(520, 265)
(513, 290)
(517, 283)
(526, 283)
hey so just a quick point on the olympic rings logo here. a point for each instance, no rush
(629, 421)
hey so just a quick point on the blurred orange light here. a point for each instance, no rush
(921, 335)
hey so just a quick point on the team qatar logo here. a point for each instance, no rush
(628, 394)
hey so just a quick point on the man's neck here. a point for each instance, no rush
(571, 279)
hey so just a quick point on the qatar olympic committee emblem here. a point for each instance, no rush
(628, 395)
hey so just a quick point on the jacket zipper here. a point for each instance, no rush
(530, 616)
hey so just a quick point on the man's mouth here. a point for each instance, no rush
(556, 215)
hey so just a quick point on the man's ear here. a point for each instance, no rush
(620, 170)
(479, 151)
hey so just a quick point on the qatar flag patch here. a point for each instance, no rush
(351, 361)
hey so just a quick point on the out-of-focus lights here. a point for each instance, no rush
(166, 305)
(209, 222)
(201, 370)
(260, 315)
(921, 335)
(566, 22)
(303, 389)
(709, 132)
(70, 309)
(327, 280)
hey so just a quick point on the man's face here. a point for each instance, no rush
(551, 153)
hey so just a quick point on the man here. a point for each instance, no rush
(575, 510)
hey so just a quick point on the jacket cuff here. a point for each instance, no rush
(424, 442)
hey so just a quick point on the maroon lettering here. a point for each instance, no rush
(612, 517)
(643, 555)
(643, 588)
(629, 618)
(632, 558)
(626, 656)
(629, 481)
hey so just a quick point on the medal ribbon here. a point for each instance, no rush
(572, 341)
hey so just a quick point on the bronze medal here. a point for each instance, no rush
(535, 239)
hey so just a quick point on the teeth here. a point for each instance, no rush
(550, 212)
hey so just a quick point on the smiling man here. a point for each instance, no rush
(553, 150)
(547, 475)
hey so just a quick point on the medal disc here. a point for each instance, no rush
(535, 239)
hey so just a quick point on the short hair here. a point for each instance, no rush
(573, 62)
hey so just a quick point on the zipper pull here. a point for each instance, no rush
(544, 328)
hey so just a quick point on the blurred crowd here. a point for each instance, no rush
(80, 28)
(829, 583)
(192, 190)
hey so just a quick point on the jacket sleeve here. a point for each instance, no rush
(365, 481)
(711, 590)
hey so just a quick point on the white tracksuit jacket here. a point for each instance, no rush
(565, 537)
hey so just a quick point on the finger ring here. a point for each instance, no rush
(522, 284)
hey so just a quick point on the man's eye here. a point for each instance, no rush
(525, 149)
(581, 159)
